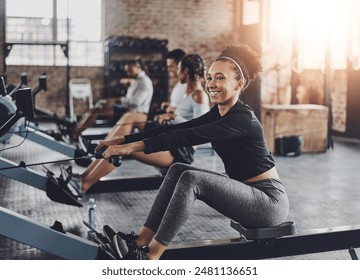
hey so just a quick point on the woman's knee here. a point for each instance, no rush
(178, 166)
(126, 118)
(186, 187)
(189, 179)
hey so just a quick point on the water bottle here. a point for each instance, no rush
(91, 212)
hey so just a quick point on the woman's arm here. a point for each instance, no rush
(234, 125)
(139, 136)
(231, 126)
(114, 141)
(123, 150)
(163, 117)
(206, 118)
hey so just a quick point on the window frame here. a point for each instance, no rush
(50, 50)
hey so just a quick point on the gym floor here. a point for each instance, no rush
(322, 188)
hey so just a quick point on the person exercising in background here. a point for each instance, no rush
(178, 90)
(250, 192)
(138, 99)
(194, 103)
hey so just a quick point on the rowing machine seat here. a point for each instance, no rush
(284, 229)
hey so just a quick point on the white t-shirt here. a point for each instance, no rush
(139, 94)
(177, 94)
(188, 109)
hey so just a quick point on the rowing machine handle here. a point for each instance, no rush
(115, 160)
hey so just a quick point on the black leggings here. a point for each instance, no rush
(261, 204)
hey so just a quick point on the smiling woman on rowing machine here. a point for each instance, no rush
(250, 192)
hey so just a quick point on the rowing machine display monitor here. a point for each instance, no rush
(24, 102)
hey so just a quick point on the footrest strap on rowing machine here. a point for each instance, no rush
(284, 229)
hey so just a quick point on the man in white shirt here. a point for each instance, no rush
(140, 91)
(177, 94)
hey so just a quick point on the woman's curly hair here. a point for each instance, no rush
(248, 60)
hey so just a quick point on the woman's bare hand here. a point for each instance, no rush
(110, 142)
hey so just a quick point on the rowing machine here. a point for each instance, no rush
(265, 243)
(56, 188)
(25, 230)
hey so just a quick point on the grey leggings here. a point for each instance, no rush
(260, 204)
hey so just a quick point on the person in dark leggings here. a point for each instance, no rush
(250, 192)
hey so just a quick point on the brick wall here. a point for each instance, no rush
(201, 26)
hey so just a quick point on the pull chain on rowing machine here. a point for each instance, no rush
(115, 160)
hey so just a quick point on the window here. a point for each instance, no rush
(315, 25)
(38, 31)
